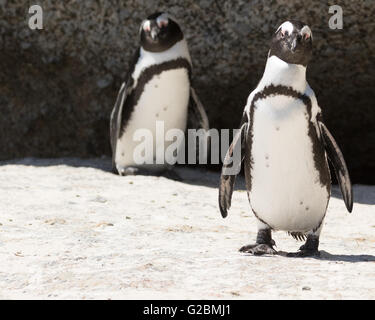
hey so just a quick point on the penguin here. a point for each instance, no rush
(284, 146)
(157, 87)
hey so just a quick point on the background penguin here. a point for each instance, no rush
(285, 147)
(157, 88)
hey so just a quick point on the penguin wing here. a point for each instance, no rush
(197, 114)
(115, 123)
(231, 167)
(197, 119)
(337, 159)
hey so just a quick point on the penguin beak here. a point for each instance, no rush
(296, 42)
(303, 36)
(154, 33)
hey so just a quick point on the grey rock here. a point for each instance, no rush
(56, 94)
(105, 81)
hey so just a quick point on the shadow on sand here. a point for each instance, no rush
(103, 163)
(192, 174)
(325, 256)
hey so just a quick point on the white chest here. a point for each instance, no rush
(165, 98)
(286, 191)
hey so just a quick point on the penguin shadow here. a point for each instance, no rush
(192, 174)
(103, 163)
(206, 177)
(326, 256)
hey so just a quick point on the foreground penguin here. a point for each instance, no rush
(284, 146)
(157, 88)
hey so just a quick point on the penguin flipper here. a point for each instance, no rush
(231, 167)
(115, 122)
(197, 119)
(197, 113)
(337, 159)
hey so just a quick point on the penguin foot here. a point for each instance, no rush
(309, 249)
(264, 244)
(258, 249)
(128, 171)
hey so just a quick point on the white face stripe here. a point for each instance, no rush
(306, 32)
(162, 20)
(170, 17)
(145, 25)
(286, 26)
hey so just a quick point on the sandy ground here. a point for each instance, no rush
(71, 229)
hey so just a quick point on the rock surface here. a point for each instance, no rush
(58, 85)
(69, 229)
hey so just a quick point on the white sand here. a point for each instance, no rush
(71, 229)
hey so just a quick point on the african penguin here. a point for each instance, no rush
(284, 146)
(157, 88)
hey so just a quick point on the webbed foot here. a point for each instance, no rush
(264, 244)
(258, 249)
(127, 171)
(309, 249)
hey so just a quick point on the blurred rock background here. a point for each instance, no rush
(58, 85)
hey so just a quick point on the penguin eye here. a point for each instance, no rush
(284, 33)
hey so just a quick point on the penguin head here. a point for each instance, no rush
(292, 43)
(159, 32)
